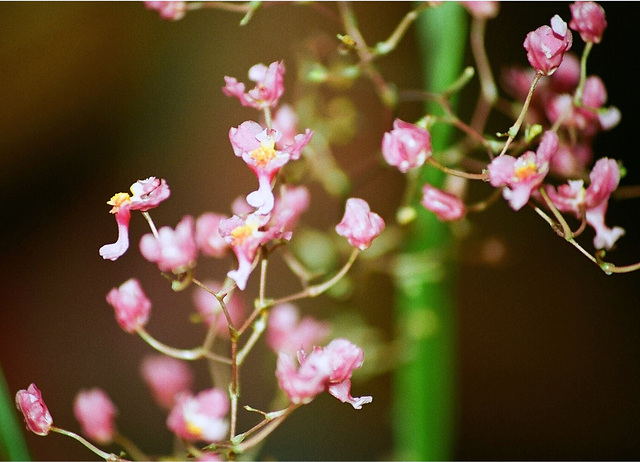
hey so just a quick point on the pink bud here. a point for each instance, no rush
(95, 412)
(166, 377)
(173, 250)
(595, 93)
(588, 19)
(35, 412)
(359, 225)
(149, 193)
(131, 305)
(168, 10)
(546, 46)
(200, 417)
(407, 146)
(447, 207)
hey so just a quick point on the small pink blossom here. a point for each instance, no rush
(96, 413)
(166, 377)
(211, 312)
(200, 417)
(208, 237)
(359, 224)
(588, 19)
(287, 332)
(257, 147)
(292, 202)
(525, 173)
(168, 10)
(407, 146)
(131, 305)
(146, 194)
(245, 237)
(546, 45)
(173, 250)
(447, 207)
(285, 120)
(329, 368)
(34, 410)
(268, 90)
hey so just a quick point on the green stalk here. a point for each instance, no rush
(12, 442)
(425, 386)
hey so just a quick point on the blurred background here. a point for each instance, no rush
(98, 95)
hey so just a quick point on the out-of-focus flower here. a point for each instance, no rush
(359, 224)
(525, 173)
(287, 332)
(329, 368)
(407, 146)
(257, 147)
(34, 410)
(289, 205)
(96, 413)
(146, 194)
(173, 250)
(200, 417)
(482, 9)
(447, 207)
(131, 305)
(588, 19)
(166, 377)
(208, 236)
(546, 45)
(268, 90)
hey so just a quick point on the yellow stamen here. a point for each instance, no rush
(118, 200)
(264, 154)
(525, 171)
(241, 233)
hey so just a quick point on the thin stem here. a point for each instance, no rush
(87, 444)
(577, 96)
(266, 430)
(383, 48)
(187, 355)
(488, 90)
(566, 230)
(484, 176)
(152, 225)
(220, 298)
(314, 291)
(515, 128)
(129, 447)
(233, 388)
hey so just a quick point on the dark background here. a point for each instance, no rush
(98, 95)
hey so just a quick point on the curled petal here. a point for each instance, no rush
(118, 248)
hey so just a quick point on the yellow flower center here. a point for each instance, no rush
(264, 154)
(525, 171)
(118, 200)
(241, 233)
(193, 428)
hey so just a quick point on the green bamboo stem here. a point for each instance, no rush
(425, 386)
(12, 442)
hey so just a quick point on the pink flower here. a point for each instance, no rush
(268, 90)
(245, 237)
(147, 194)
(211, 311)
(285, 121)
(592, 201)
(525, 173)
(95, 412)
(407, 146)
(131, 305)
(546, 45)
(447, 207)
(168, 10)
(482, 9)
(588, 19)
(208, 237)
(34, 410)
(328, 368)
(257, 147)
(200, 417)
(287, 332)
(359, 225)
(166, 377)
(173, 250)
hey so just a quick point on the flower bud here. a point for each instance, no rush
(588, 19)
(95, 412)
(546, 46)
(131, 305)
(35, 412)
(359, 225)
(407, 146)
(447, 207)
